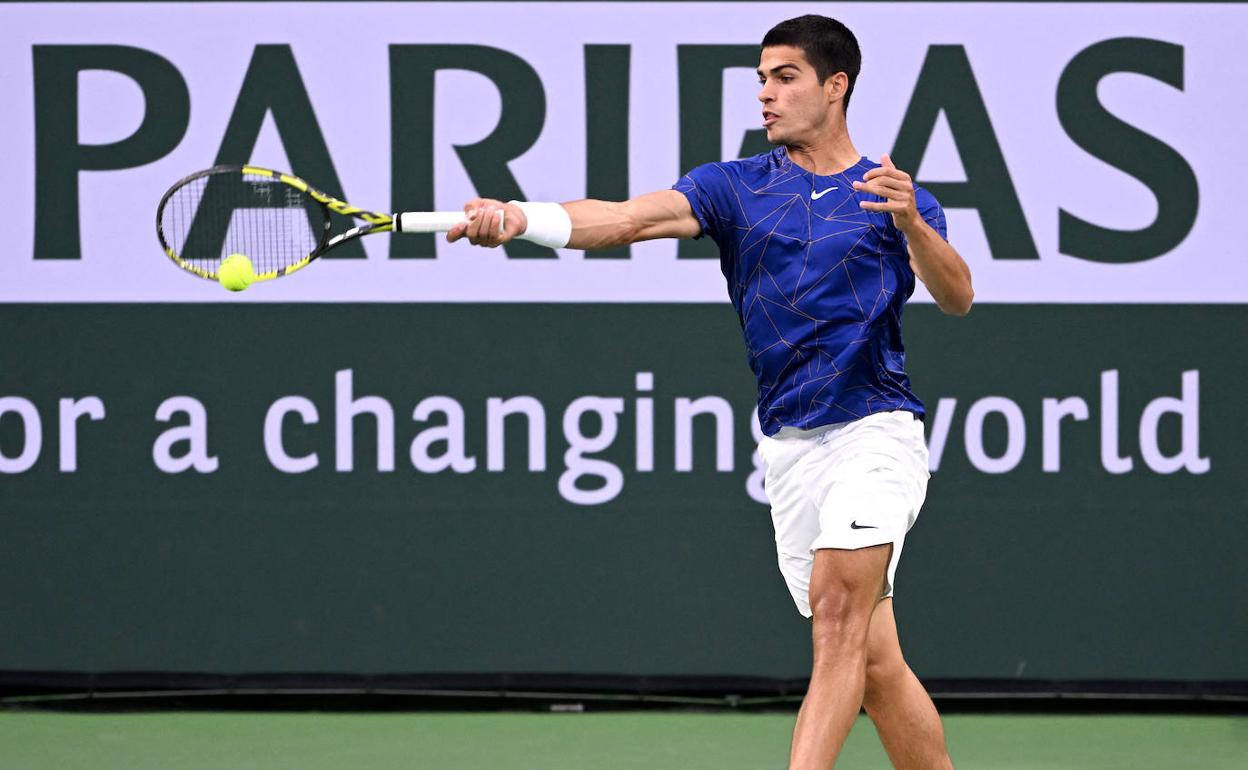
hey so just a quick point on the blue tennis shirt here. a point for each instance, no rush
(817, 282)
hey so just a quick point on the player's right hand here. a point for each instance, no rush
(482, 227)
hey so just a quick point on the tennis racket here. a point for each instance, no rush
(278, 221)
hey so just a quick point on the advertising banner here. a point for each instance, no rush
(1082, 150)
(380, 493)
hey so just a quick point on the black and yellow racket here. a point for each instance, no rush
(243, 224)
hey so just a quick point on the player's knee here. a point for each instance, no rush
(838, 621)
(831, 609)
(840, 602)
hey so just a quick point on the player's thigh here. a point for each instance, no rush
(848, 582)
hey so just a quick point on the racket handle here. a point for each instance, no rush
(431, 221)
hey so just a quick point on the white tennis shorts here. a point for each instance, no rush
(849, 485)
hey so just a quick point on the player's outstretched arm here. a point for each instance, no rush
(585, 224)
(603, 225)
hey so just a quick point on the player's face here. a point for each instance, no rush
(796, 106)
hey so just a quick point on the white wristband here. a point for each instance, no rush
(549, 223)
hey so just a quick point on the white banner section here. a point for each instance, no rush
(1064, 88)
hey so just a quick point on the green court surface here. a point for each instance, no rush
(595, 741)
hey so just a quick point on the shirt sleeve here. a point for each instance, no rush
(709, 191)
(930, 210)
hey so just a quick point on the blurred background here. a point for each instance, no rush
(458, 484)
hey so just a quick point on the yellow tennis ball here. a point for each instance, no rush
(236, 272)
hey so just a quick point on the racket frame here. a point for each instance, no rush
(373, 221)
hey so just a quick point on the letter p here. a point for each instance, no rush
(58, 154)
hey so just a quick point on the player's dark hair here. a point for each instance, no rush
(828, 44)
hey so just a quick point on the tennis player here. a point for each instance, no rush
(820, 247)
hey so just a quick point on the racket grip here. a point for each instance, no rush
(432, 221)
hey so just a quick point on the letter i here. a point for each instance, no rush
(645, 423)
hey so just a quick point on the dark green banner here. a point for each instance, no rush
(571, 488)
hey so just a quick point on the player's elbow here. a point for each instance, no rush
(602, 225)
(959, 303)
(626, 226)
(633, 229)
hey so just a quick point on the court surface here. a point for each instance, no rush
(597, 741)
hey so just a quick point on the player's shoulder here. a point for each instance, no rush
(774, 159)
(741, 169)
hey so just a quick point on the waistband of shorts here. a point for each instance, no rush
(789, 432)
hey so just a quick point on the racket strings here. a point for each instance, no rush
(271, 223)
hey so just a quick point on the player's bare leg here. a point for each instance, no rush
(844, 589)
(901, 709)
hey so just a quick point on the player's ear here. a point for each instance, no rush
(835, 86)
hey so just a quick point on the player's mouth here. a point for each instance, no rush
(769, 118)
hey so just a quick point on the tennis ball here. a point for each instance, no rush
(236, 272)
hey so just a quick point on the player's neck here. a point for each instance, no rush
(826, 155)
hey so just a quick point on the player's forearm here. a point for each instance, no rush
(600, 225)
(584, 224)
(941, 268)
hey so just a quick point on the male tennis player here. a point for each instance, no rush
(820, 247)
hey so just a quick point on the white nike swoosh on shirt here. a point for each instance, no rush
(814, 196)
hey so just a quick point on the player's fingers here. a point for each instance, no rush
(474, 226)
(501, 226)
(876, 206)
(456, 232)
(886, 173)
(902, 187)
(498, 227)
(876, 188)
(481, 235)
(886, 161)
(489, 227)
(472, 210)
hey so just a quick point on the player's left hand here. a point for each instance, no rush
(896, 187)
